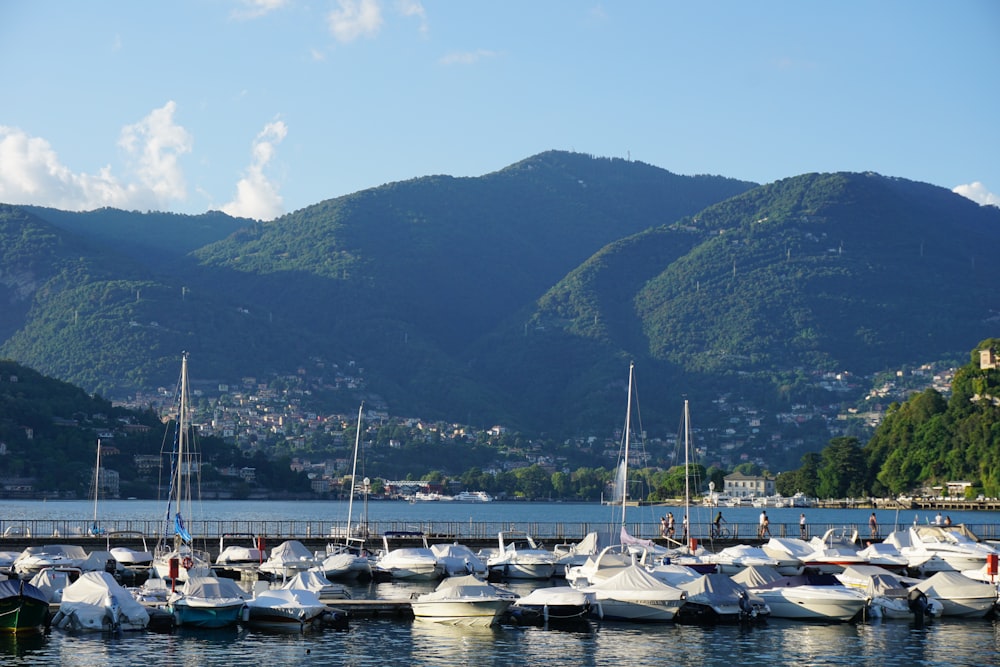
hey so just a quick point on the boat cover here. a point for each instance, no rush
(90, 597)
(638, 584)
(756, 576)
(12, 588)
(952, 585)
(712, 589)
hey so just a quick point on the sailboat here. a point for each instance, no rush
(626, 539)
(95, 528)
(347, 559)
(176, 558)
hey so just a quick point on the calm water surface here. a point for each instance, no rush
(384, 641)
(391, 641)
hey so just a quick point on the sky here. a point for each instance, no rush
(264, 107)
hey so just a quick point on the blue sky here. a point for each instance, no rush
(261, 107)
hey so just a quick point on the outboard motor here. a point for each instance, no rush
(917, 601)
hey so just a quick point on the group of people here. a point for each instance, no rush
(667, 528)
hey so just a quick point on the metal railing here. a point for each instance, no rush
(550, 532)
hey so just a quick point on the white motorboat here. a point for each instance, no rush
(240, 555)
(463, 600)
(553, 604)
(316, 583)
(608, 562)
(345, 561)
(208, 602)
(410, 563)
(960, 595)
(791, 553)
(518, 557)
(128, 557)
(457, 559)
(34, 559)
(286, 609)
(288, 559)
(740, 556)
(97, 602)
(885, 555)
(925, 547)
(576, 553)
(715, 598)
(890, 596)
(635, 595)
(811, 598)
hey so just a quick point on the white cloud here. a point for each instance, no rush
(256, 196)
(31, 172)
(153, 146)
(355, 18)
(251, 9)
(467, 57)
(978, 193)
(413, 8)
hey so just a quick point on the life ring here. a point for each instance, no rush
(187, 563)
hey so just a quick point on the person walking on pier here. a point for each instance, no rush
(873, 525)
(765, 526)
(802, 526)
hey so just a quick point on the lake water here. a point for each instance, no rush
(391, 641)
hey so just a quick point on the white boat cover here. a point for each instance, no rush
(553, 596)
(52, 581)
(90, 597)
(637, 584)
(291, 550)
(317, 584)
(304, 604)
(756, 576)
(952, 585)
(213, 588)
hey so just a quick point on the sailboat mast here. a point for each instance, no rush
(97, 481)
(354, 471)
(687, 473)
(628, 430)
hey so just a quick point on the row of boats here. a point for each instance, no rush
(918, 573)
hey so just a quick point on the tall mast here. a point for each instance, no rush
(181, 442)
(354, 471)
(628, 429)
(97, 482)
(687, 474)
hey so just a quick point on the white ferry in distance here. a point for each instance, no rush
(474, 497)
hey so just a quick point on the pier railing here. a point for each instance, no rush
(472, 531)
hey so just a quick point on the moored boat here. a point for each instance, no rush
(463, 600)
(23, 608)
(208, 602)
(97, 602)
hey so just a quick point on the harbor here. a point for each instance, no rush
(383, 628)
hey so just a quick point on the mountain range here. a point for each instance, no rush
(518, 297)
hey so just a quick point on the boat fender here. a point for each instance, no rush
(245, 614)
(58, 619)
(600, 611)
(187, 563)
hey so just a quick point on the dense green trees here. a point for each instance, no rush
(922, 442)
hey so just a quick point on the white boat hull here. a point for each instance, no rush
(813, 603)
(635, 610)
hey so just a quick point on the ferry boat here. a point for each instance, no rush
(474, 497)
